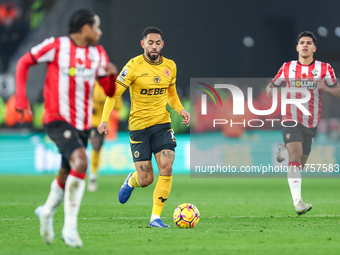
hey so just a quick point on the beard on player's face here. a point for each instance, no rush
(153, 56)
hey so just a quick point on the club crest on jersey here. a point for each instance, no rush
(156, 79)
(124, 73)
(288, 136)
(167, 72)
(314, 72)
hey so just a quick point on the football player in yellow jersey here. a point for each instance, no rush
(151, 79)
(97, 141)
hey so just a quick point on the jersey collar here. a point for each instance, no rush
(153, 63)
(307, 65)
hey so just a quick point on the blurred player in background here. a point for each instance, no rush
(304, 73)
(97, 140)
(73, 64)
(151, 79)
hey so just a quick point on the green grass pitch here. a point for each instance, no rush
(238, 216)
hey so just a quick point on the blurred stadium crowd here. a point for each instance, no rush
(17, 19)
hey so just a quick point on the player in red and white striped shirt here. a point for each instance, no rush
(317, 77)
(73, 64)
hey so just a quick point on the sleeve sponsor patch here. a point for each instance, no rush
(120, 78)
(124, 73)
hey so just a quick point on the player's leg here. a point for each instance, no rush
(165, 159)
(293, 139)
(46, 212)
(163, 145)
(302, 207)
(298, 143)
(97, 142)
(309, 135)
(143, 176)
(304, 160)
(294, 166)
(74, 191)
(72, 144)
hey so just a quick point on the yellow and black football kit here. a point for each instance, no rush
(152, 86)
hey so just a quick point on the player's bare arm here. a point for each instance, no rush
(333, 90)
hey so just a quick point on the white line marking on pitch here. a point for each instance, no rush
(210, 217)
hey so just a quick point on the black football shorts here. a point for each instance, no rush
(67, 139)
(151, 140)
(299, 133)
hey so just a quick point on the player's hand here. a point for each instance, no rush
(269, 90)
(321, 85)
(103, 128)
(111, 69)
(186, 117)
(22, 112)
(333, 91)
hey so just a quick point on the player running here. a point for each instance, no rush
(73, 63)
(151, 79)
(304, 73)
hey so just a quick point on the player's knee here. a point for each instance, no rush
(295, 156)
(78, 160)
(82, 165)
(79, 164)
(145, 180)
(166, 169)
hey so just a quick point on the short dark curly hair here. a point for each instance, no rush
(307, 34)
(152, 30)
(79, 19)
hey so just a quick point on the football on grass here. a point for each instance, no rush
(186, 215)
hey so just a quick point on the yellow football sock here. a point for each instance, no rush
(161, 193)
(134, 180)
(94, 162)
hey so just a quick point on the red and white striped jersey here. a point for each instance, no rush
(305, 76)
(70, 78)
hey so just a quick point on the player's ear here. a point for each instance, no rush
(314, 49)
(85, 28)
(142, 43)
(297, 47)
(162, 44)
